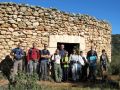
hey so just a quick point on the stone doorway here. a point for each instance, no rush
(69, 46)
(66, 39)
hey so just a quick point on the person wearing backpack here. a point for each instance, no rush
(17, 54)
(65, 62)
(45, 56)
(57, 67)
(92, 60)
(33, 57)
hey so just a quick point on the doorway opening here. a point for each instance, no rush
(69, 46)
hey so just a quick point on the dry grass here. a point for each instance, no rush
(46, 85)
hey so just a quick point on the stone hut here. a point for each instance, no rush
(28, 24)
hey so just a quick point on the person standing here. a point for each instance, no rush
(45, 56)
(80, 64)
(62, 51)
(33, 57)
(74, 65)
(62, 54)
(84, 67)
(103, 64)
(65, 62)
(92, 60)
(57, 67)
(17, 54)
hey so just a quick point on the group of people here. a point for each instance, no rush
(60, 66)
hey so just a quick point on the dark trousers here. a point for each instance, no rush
(84, 72)
(65, 73)
(104, 71)
(92, 73)
(52, 71)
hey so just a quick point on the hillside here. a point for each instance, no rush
(115, 54)
(116, 44)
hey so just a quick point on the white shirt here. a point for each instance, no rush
(56, 58)
(80, 60)
(73, 57)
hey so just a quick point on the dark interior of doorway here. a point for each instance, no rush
(68, 46)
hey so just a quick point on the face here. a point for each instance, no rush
(92, 52)
(57, 51)
(34, 45)
(66, 54)
(92, 48)
(81, 54)
(103, 52)
(45, 46)
(74, 52)
(62, 46)
(19, 45)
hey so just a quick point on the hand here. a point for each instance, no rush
(48, 56)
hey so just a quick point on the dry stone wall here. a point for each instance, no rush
(28, 24)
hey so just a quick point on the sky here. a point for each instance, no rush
(102, 9)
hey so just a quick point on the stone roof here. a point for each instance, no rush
(77, 15)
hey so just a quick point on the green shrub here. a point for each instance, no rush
(115, 64)
(25, 82)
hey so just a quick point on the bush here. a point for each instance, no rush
(25, 82)
(115, 65)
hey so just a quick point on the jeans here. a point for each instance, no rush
(44, 69)
(76, 69)
(33, 66)
(92, 72)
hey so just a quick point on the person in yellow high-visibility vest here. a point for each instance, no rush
(65, 62)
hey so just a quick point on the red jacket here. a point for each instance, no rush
(33, 54)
